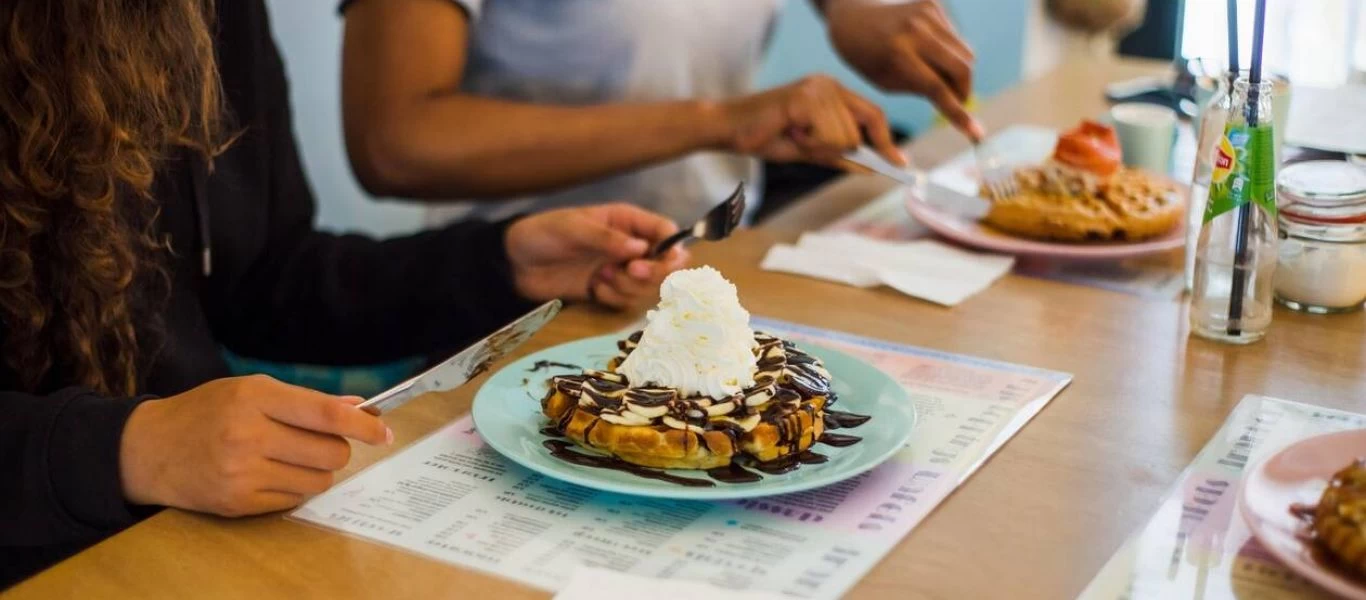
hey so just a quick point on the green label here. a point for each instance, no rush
(1244, 171)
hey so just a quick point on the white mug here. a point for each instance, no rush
(1147, 133)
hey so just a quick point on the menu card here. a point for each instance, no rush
(452, 498)
(1196, 545)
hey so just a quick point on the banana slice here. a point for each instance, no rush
(627, 418)
(747, 423)
(677, 424)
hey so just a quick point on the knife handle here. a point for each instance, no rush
(391, 398)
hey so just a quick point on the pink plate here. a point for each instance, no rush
(969, 232)
(1297, 475)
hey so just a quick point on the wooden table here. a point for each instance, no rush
(1037, 521)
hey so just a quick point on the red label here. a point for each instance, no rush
(1222, 160)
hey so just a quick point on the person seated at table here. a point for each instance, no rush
(556, 103)
(152, 210)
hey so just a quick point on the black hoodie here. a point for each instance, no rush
(273, 288)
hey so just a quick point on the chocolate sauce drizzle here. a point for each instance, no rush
(835, 419)
(787, 377)
(561, 449)
(550, 364)
(838, 440)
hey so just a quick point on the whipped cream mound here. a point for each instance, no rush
(697, 340)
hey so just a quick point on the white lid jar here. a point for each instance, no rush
(1321, 266)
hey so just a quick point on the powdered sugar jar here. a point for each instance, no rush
(1321, 266)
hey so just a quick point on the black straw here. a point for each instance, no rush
(1232, 42)
(1235, 301)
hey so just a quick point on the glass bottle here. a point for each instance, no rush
(1231, 297)
(1210, 123)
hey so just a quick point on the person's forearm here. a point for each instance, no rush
(463, 146)
(823, 6)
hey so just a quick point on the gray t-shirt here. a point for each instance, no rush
(600, 51)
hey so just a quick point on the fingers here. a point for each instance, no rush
(293, 479)
(936, 90)
(948, 57)
(845, 132)
(641, 223)
(874, 123)
(318, 412)
(304, 448)
(262, 502)
(637, 282)
(605, 240)
(832, 129)
(948, 32)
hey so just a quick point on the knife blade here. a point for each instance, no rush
(466, 364)
(867, 158)
(927, 192)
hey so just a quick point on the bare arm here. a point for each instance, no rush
(411, 132)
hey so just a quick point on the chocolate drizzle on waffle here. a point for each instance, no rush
(788, 383)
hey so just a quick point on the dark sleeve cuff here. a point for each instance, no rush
(483, 274)
(83, 460)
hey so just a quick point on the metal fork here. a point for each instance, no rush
(717, 224)
(997, 178)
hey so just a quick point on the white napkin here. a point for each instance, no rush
(588, 583)
(923, 268)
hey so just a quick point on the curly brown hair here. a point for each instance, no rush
(97, 94)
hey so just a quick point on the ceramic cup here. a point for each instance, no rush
(1147, 133)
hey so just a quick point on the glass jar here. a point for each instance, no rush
(1321, 265)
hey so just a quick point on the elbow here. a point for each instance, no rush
(384, 163)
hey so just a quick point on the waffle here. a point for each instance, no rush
(1340, 518)
(780, 415)
(1062, 203)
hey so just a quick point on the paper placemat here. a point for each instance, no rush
(1196, 545)
(452, 498)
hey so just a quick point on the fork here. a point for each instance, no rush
(717, 224)
(997, 178)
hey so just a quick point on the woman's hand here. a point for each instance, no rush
(594, 252)
(813, 120)
(907, 47)
(240, 446)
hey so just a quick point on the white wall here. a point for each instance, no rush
(309, 35)
(1048, 44)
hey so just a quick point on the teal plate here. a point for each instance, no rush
(507, 413)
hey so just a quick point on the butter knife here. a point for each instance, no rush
(926, 192)
(467, 364)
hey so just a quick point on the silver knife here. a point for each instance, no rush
(940, 197)
(467, 364)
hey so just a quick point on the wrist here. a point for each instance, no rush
(715, 123)
(139, 470)
(832, 7)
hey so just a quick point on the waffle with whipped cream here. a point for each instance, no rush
(780, 414)
(696, 388)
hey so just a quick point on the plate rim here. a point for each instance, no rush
(716, 493)
(935, 219)
(1327, 580)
